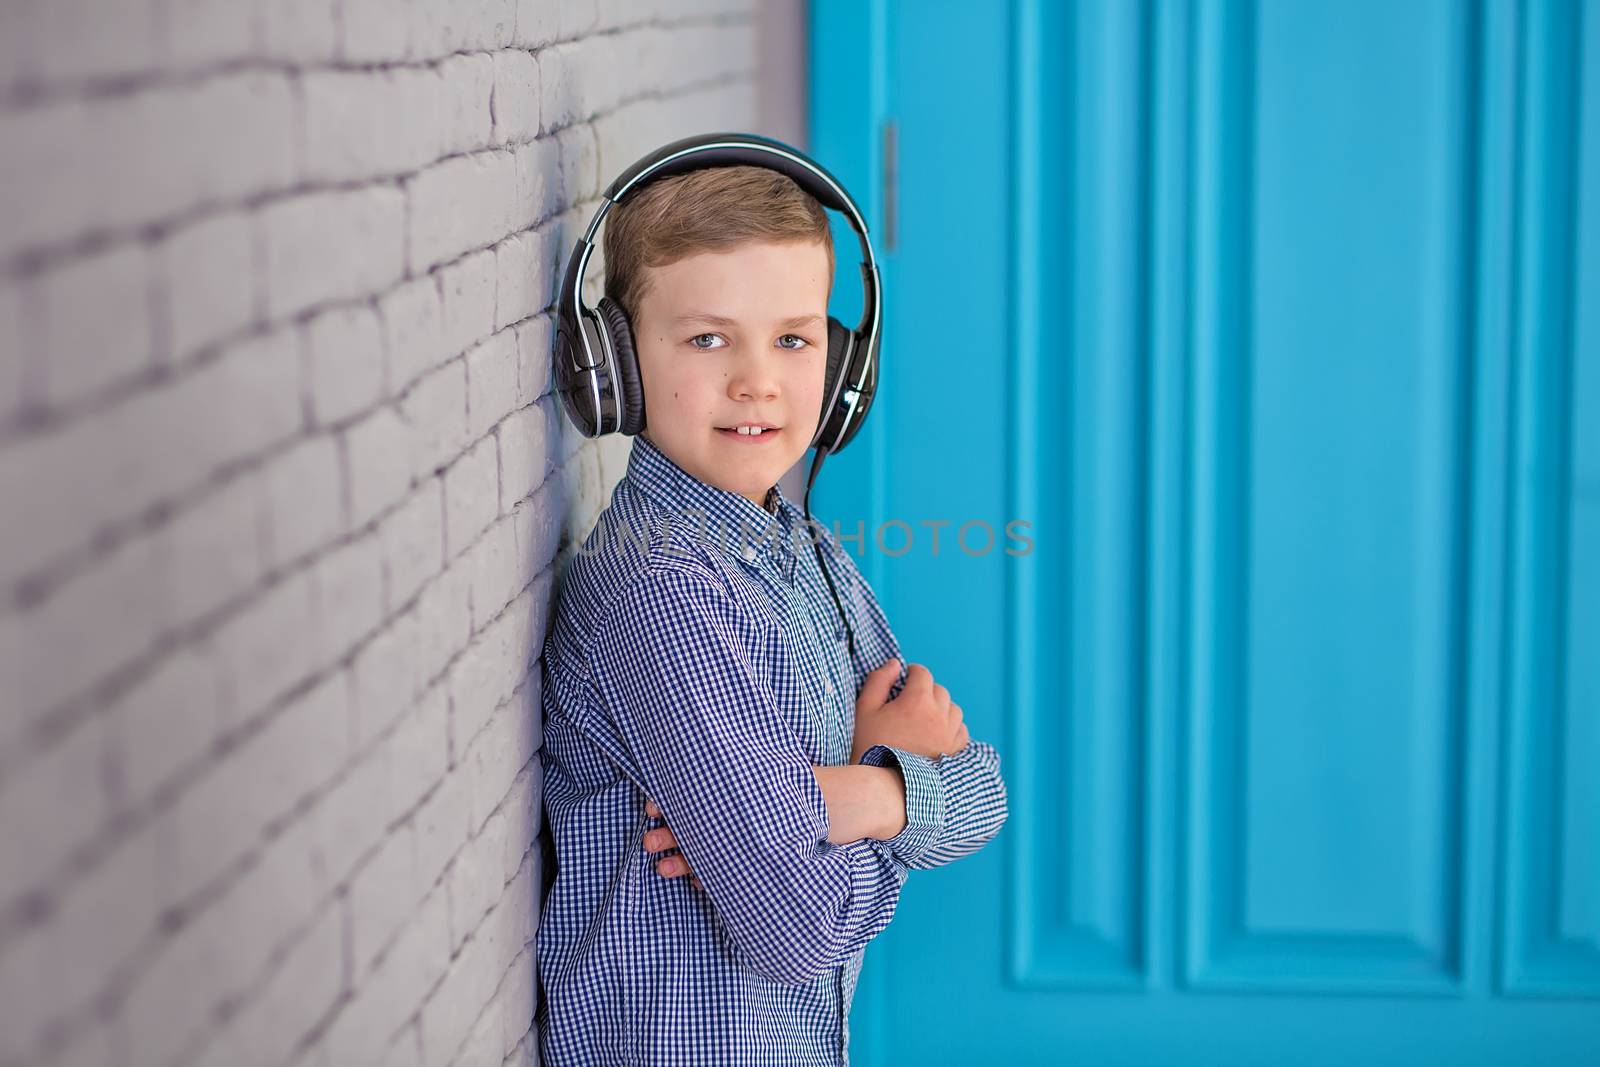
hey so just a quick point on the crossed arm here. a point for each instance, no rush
(772, 839)
(683, 711)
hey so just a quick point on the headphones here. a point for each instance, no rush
(595, 362)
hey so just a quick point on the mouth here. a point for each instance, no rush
(767, 433)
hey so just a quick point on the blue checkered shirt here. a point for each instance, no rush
(697, 659)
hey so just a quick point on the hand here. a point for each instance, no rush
(922, 719)
(660, 840)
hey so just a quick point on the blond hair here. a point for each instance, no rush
(707, 210)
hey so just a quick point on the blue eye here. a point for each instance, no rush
(797, 337)
(697, 337)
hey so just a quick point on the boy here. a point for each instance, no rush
(695, 669)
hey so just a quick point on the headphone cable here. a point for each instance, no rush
(816, 465)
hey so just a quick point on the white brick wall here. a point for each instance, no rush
(285, 495)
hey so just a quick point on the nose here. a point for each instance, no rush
(752, 376)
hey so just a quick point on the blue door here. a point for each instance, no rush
(1278, 326)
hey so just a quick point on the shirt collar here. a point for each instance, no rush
(726, 513)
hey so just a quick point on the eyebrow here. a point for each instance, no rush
(792, 323)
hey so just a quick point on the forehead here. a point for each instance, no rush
(752, 279)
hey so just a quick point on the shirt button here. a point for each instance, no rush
(830, 689)
(749, 553)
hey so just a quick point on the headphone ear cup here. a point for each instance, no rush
(615, 322)
(838, 345)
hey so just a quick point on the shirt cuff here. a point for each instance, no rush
(924, 799)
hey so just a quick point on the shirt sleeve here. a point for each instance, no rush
(955, 804)
(710, 746)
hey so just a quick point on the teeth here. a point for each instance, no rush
(750, 431)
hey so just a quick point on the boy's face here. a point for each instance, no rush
(730, 337)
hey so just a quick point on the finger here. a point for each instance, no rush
(672, 867)
(650, 808)
(919, 677)
(694, 879)
(941, 695)
(962, 737)
(659, 840)
(875, 687)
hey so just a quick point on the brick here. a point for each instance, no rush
(103, 619)
(578, 18)
(579, 153)
(413, 343)
(381, 898)
(539, 189)
(520, 809)
(368, 124)
(518, 285)
(562, 88)
(444, 613)
(535, 358)
(78, 354)
(353, 816)
(378, 456)
(524, 455)
(538, 524)
(491, 382)
(48, 165)
(492, 563)
(206, 32)
(242, 403)
(467, 301)
(167, 722)
(413, 543)
(436, 411)
(442, 29)
(483, 1043)
(536, 23)
(83, 41)
(270, 645)
(516, 97)
(377, 31)
(441, 825)
(217, 543)
(468, 85)
(66, 782)
(476, 879)
(12, 387)
(495, 759)
(516, 1001)
(350, 594)
(330, 246)
(209, 289)
(419, 750)
(471, 495)
(344, 362)
(302, 499)
(386, 679)
(458, 205)
(486, 673)
(300, 31)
